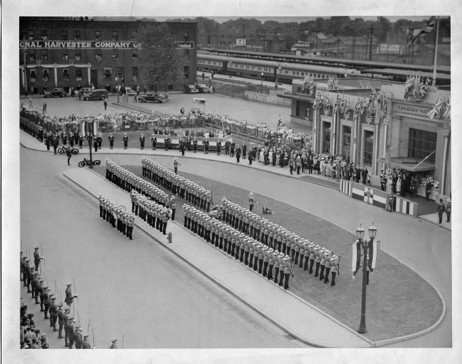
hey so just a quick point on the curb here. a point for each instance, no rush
(236, 295)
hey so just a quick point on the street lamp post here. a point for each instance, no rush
(90, 141)
(117, 88)
(278, 70)
(365, 245)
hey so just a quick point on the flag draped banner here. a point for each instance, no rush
(355, 257)
(429, 26)
(372, 254)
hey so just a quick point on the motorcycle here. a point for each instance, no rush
(86, 162)
(63, 149)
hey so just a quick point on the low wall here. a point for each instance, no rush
(377, 197)
(267, 99)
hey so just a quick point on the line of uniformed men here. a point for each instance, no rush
(185, 188)
(306, 254)
(52, 310)
(116, 216)
(154, 214)
(247, 250)
(128, 181)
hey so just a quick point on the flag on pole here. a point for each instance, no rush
(429, 26)
(355, 257)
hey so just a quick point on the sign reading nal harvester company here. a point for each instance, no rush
(71, 44)
(66, 44)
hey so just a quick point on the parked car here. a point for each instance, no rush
(190, 89)
(84, 91)
(56, 92)
(202, 88)
(153, 97)
(98, 94)
(129, 91)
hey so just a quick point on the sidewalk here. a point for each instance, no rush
(302, 321)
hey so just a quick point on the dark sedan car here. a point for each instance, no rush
(152, 97)
(56, 92)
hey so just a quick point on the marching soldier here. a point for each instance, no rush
(260, 257)
(287, 271)
(78, 339)
(265, 260)
(60, 320)
(131, 222)
(322, 263)
(37, 259)
(66, 319)
(311, 247)
(46, 302)
(334, 268)
(70, 332)
(69, 297)
(328, 256)
(281, 268)
(276, 266)
(317, 253)
(53, 313)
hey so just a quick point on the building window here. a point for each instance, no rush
(133, 35)
(135, 73)
(421, 144)
(186, 36)
(134, 57)
(97, 35)
(66, 74)
(44, 54)
(186, 71)
(65, 57)
(63, 34)
(77, 56)
(44, 35)
(77, 35)
(115, 57)
(78, 74)
(33, 76)
(107, 73)
(98, 57)
(45, 75)
(30, 35)
(346, 143)
(31, 55)
(368, 147)
(115, 35)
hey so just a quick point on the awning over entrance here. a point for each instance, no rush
(409, 164)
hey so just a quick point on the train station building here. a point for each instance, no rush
(405, 126)
(103, 52)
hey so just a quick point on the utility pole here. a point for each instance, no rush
(370, 43)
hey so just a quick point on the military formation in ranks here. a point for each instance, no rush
(178, 185)
(272, 264)
(60, 319)
(117, 216)
(153, 213)
(128, 181)
(304, 253)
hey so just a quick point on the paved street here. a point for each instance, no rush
(425, 247)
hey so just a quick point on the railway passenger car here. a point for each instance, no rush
(268, 70)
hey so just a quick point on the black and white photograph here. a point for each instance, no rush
(222, 182)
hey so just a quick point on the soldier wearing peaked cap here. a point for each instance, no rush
(86, 344)
(260, 257)
(46, 302)
(323, 253)
(281, 269)
(66, 319)
(287, 271)
(70, 332)
(113, 344)
(276, 266)
(60, 320)
(317, 253)
(265, 260)
(270, 256)
(69, 296)
(53, 313)
(37, 258)
(78, 338)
